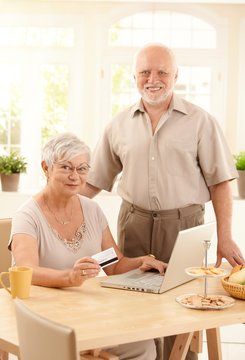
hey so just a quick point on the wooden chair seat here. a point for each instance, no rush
(5, 258)
(97, 354)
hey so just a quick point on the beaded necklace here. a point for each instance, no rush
(75, 243)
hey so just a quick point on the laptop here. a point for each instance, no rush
(188, 251)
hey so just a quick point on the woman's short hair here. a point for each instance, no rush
(64, 147)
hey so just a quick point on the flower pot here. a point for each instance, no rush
(10, 182)
(241, 184)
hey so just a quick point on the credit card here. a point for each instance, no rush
(106, 257)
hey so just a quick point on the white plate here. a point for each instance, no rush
(229, 302)
(190, 272)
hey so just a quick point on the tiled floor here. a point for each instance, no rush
(229, 352)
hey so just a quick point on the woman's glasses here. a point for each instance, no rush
(69, 169)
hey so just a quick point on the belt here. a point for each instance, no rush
(172, 213)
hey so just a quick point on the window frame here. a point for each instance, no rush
(31, 59)
(215, 58)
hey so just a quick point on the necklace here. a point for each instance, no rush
(74, 244)
(62, 222)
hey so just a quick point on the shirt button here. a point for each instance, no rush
(152, 158)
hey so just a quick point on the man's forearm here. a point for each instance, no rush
(221, 197)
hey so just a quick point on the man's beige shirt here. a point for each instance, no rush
(169, 169)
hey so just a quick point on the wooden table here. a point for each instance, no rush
(106, 317)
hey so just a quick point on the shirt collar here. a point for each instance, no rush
(138, 107)
(176, 104)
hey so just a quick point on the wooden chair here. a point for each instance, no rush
(5, 258)
(42, 339)
(97, 354)
(5, 254)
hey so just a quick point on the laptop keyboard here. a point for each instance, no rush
(151, 280)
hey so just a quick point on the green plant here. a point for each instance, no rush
(12, 164)
(240, 160)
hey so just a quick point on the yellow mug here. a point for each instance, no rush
(20, 281)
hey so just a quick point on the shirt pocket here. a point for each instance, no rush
(181, 158)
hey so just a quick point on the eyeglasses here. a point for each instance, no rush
(69, 169)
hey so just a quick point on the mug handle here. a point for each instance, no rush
(1, 281)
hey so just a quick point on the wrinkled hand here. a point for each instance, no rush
(83, 269)
(231, 252)
(150, 263)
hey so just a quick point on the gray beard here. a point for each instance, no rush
(159, 101)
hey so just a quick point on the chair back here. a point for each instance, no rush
(5, 254)
(43, 339)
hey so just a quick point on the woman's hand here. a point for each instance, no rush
(83, 269)
(149, 262)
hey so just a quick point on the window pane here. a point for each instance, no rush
(36, 36)
(200, 24)
(10, 106)
(145, 19)
(162, 20)
(174, 29)
(181, 39)
(55, 103)
(141, 37)
(194, 84)
(123, 88)
(121, 36)
(181, 21)
(206, 38)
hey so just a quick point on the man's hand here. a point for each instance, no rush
(231, 252)
(221, 197)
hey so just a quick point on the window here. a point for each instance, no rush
(73, 73)
(171, 28)
(24, 36)
(123, 89)
(11, 87)
(37, 71)
(55, 79)
(194, 41)
(194, 84)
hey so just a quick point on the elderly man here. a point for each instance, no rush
(173, 157)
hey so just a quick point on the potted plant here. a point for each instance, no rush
(240, 165)
(10, 168)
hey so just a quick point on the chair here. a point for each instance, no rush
(40, 338)
(5, 258)
(5, 254)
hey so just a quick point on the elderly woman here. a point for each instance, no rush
(57, 231)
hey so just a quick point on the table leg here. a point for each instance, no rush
(197, 342)
(214, 344)
(181, 346)
(4, 355)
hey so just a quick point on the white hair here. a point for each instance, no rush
(154, 45)
(65, 147)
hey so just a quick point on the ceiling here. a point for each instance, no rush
(151, 1)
